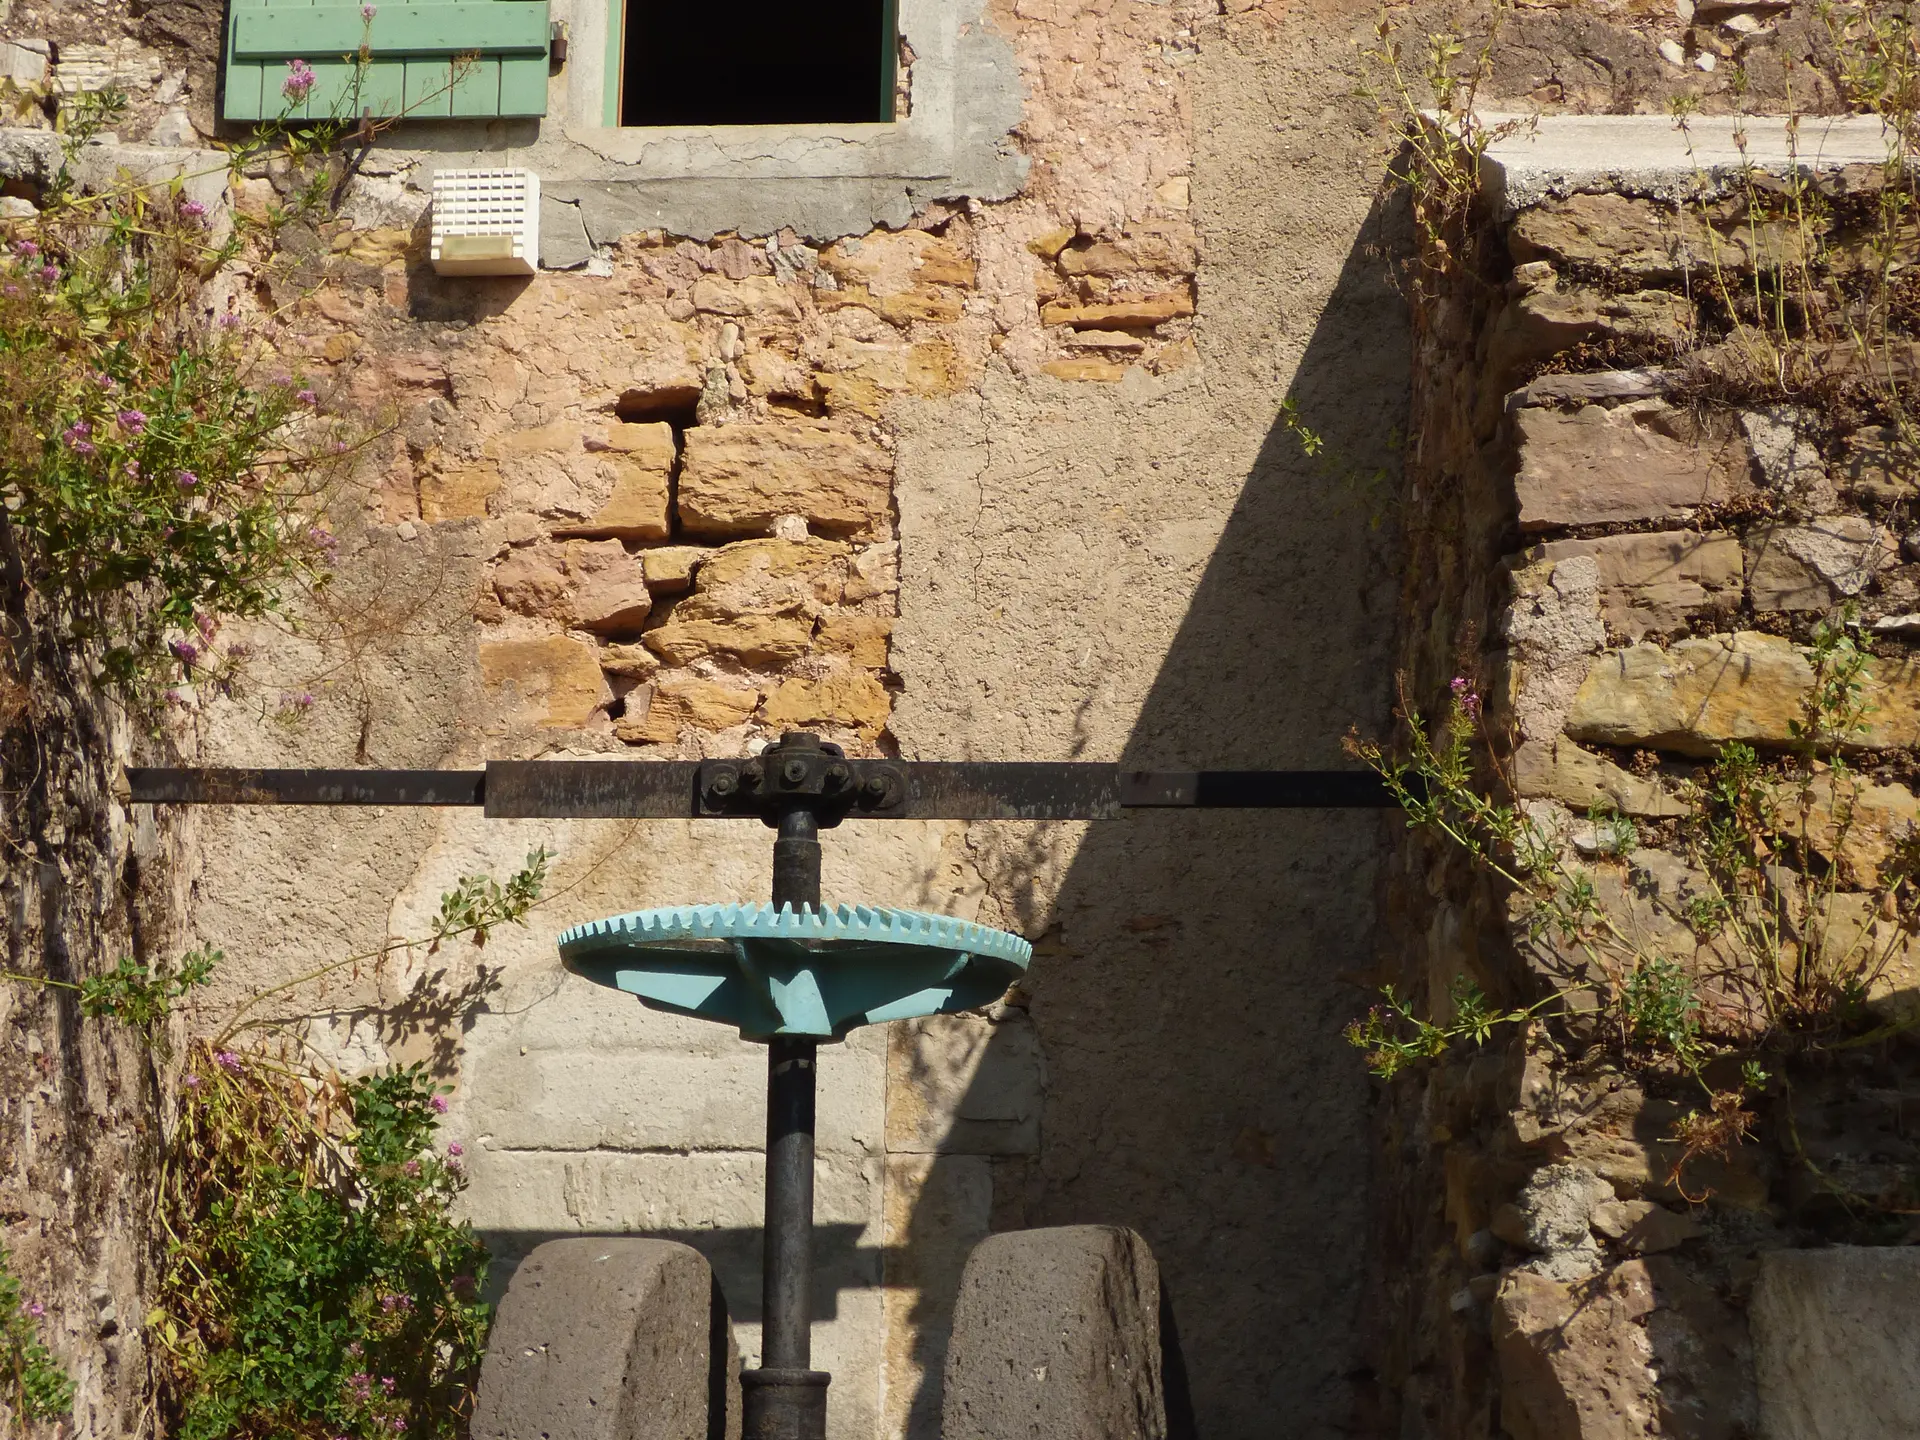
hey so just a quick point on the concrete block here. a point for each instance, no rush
(604, 1340)
(1057, 1333)
(1835, 1350)
(936, 1209)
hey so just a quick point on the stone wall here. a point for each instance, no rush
(1622, 542)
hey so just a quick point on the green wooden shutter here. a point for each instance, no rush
(413, 49)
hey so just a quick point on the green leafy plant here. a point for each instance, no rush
(317, 1283)
(143, 995)
(37, 1388)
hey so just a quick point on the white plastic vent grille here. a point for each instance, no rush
(486, 222)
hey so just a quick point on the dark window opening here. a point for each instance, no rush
(757, 62)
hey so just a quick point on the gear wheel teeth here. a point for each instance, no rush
(840, 922)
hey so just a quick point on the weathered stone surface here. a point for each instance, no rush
(1659, 581)
(1878, 818)
(1601, 385)
(1639, 461)
(1552, 1216)
(1781, 440)
(1808, 567)
(458, 494)
(1574, 1364)
(758, 297)
(594, 584)
(888, 263)
(1836, 1352)
(773, 576)
(24, 62)
(1560, 770)
(1105, 371)
(1552, 629)
(670, 568)
(630, 662)
(964, 1085)
(854, 699)
(1548, 317)
(1644, 1227)
(1881, 465)
(557, 680)
(741, 478)
(861, 638)
(1642, 238)
(756, 639)
(1143, 313)
(601, 1338)
(1057, 1333)
(679, 705)
(639, 459)
(1141, 250)
(1696, 694)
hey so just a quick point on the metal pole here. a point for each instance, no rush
(785, 1399)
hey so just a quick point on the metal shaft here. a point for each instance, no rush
(786, 1399)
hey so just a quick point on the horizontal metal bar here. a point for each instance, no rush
(1254, 790)
(307, 787)
(668, 789)
(1012, 790)
(592, 789)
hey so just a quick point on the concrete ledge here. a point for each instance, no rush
(1550, 156)
(1056, 1333)
(604, 1340)
(1836, 1349)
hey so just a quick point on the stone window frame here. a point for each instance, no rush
(963, 100)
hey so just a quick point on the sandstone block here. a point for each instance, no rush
(1659, 581)
(1878, 819)
(1087, 369)
(964, 1085)
(671, 567)
(1640, 461)
(594, 584)
(557, 680)
(1643, 238)
(852, 393)
(1148, 250)
(772, 574)
(1561, 770)
(680, 705)
(758, 297)
(1881, 464)
(1836, 1352)
(741, 478)
(629, 662)
(638, 459)
(934, 367)
(1576, 1364)
(1056, 1333)
(890, 263)
(755, 639)
(1138, 314)
(458, 494)
(861, 638)
(852, 699)
(1808, 567)
(1644, 1227)
(927, 303)
(1545, 319)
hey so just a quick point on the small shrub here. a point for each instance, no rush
(36, 1387)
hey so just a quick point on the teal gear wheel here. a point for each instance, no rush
(797, 972)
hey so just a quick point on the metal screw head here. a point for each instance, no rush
(794, 771)
(724, 784)
(837, 775)
(875, 789)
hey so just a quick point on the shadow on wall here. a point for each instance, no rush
(1190, 998)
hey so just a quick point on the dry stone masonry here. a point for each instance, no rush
(1626, 555)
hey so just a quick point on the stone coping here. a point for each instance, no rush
(1548, 156)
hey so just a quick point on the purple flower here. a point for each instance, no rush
(49, 274)
(228, 1061)
(185, 651)
(387, 1381)
(132, 421)
(192, 1082)
(340, 447)
(399, 1424)
(456, 1149)
(412, 1167)
(323, 538)
(229, 321)
(133, 469)
(391, 1303)
(299, 81)
(36, 1309)
(367, 12)
(439, 1104)
(283, 378)
(203, 622)
(10, 289)
(1463, 694)
(185, 479)
(79, 437)
(307, 397)
(192, 209)
(25, 249)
